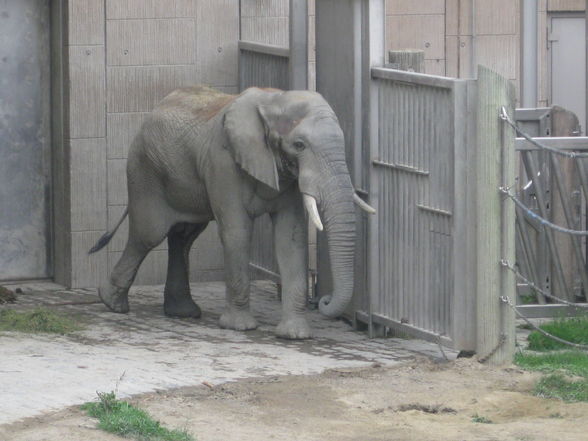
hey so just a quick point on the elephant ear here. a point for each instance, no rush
(247, 132)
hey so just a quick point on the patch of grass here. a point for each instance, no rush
(38, 321)
(571, 362)
(480, 419)
(123, 419)
(558, 386)
(559, 366)
(573, 329)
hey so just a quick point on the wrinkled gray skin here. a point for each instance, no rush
(202, 155)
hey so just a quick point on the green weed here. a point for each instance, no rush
(38, 321)
(573, 329)
(123, 419)
(558, 386)
(480, 419)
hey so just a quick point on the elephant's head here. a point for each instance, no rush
(276, 136)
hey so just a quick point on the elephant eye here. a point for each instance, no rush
(299, 146)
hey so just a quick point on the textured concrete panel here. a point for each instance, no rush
(268, 30)
(566, 5)
(265, 8)
(217, 36)
(151, 42)
(87, 92)
(86, 22)
(88, 184)
(435, 67)
(121, 129)
(119, 9)
(407, 7)
(497, 17)
(117, 182)
(499, 53)
(88, 270)
(140, 88)
(425, 32)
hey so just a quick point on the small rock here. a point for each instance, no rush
(6, 295)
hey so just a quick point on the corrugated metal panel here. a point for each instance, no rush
(262, 70)
(415, 169)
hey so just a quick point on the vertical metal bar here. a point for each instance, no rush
(298, 63)
(375, 26)
(576, 244)
(532, 170)
(529, 49)
(527, 251)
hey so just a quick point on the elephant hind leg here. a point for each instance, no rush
(177, 298)
(143, 237)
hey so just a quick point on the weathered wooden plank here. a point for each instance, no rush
(87, 118)
(88, 184)
(217, 35)
(495, 220)
(86, 22)
(151, 42)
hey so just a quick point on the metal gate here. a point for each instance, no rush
(265, 65)
(24, 140)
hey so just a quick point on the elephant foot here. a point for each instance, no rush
(239, 320)
(116, 299)
(293, 328)
(181, 309)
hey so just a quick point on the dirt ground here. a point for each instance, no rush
(418, 400)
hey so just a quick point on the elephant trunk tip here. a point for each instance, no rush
(331, 308)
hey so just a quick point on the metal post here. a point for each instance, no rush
(298, 45)
(529, 65)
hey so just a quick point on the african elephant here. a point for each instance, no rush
(203, 155)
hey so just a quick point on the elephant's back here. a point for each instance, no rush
(196, 103)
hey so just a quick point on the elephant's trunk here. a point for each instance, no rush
(335, 196)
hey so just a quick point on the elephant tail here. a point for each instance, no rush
(103, 241)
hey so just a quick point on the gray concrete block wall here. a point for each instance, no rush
(123, 56)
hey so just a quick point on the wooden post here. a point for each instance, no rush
(411, 60)
(495, 220)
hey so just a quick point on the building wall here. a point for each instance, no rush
(123, 56)
(456, 35)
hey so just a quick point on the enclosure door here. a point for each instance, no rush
(24, 139)
(568, 64)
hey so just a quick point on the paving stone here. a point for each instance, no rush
(145, 351)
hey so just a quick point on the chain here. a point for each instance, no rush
(506, 299)
(504, 116)
(501, 341)
(506, 264)
(542, 221)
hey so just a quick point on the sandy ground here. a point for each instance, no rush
(367, 404)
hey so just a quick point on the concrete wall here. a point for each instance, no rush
(122, 57)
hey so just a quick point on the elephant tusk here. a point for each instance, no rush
(310, 205)
(363, 205)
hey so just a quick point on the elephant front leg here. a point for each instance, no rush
(290, 241)
(236, 242)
